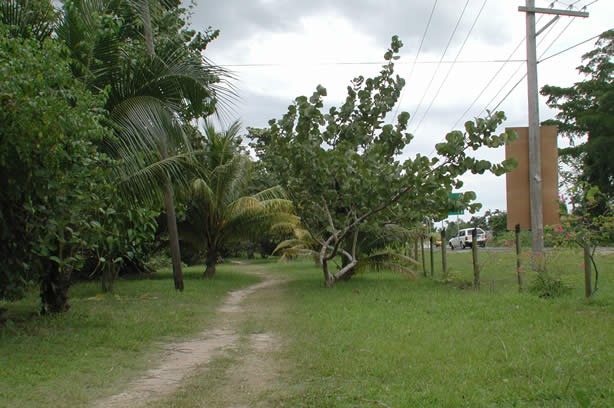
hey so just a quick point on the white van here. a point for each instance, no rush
(463, 238)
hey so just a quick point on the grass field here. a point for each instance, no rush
(378, 340)
(70, 359)
(381, 340)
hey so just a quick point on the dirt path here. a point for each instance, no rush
(181, 361)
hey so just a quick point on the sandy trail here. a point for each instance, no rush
(182, 359)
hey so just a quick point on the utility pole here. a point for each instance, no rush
(535, 167)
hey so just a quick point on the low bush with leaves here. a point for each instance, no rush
(49, 166)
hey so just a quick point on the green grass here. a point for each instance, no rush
(75, 357)
(426, 344)
(376, 340)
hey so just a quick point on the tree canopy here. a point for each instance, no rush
(587, 109)
(343, 168)
(50, 168)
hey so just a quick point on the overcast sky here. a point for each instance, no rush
(280, 49)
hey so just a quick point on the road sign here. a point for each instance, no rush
(457, 212)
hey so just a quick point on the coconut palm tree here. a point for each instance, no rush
(220, 212)
(150, 97)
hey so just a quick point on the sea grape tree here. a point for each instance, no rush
(346, 170)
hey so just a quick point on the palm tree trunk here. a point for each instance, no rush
(210, 262)
(169, 204)
(173, 235)
(147, 29)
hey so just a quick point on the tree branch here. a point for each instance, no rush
(330, 218)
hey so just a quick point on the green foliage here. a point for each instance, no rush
(342, 167)
(595, 227)
(122, 237)
(592, 226)
(28, 18)
(545, 286)
(497, 221)
(50, 168)
(587, 109)
(155, 86)
(220, 211)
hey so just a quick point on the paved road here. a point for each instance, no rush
(602, 250)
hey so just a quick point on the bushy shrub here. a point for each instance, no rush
(49, 164)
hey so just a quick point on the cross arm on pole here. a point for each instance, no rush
(553, 11)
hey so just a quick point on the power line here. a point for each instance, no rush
(452, 66)
(492, 79)
(563, 3)
(488, 83)
(569, 48)
(550, 28)
(545, 51)
(426, 29)
(547, 58)
(439, 65)
(315, 64)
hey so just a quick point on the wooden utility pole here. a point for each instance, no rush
(535, 178)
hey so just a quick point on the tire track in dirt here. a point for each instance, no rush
(183, 358)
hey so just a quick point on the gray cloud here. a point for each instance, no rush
(240, 19)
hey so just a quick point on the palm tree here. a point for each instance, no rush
(149, 98)
(220, 213)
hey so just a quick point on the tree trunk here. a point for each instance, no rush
(210, 262)
(348, 275)
(250, 253)
(109, 274)
(329, 279)
(147, 28)
(173, 235)
(54, 290)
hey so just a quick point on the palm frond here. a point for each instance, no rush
(28, 19)
(272, 193)
(144, 183)
(145, 123)
(387, 260)
(285, 227)
(297, 252)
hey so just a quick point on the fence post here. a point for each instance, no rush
(422, 253)
(518, 261)
(432, 259)
(587, 270)
(474, 254)
(416, 249)
(444, 261)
